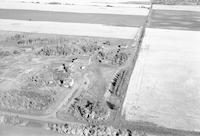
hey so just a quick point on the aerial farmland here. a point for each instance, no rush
(65, 68)
(71, 67)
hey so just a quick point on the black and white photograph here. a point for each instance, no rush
(99, 67)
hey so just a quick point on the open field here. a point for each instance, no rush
(177, 2)
(168, 99)
(176, 19)
(77, 29)
(163, 93)
(91, 18)
(98, 9)
(70, 68)
(78, 1)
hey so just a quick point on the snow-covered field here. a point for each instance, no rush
(77, 1)
(133, 10)
(79, 29)
(68, 28)
(165, 85)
